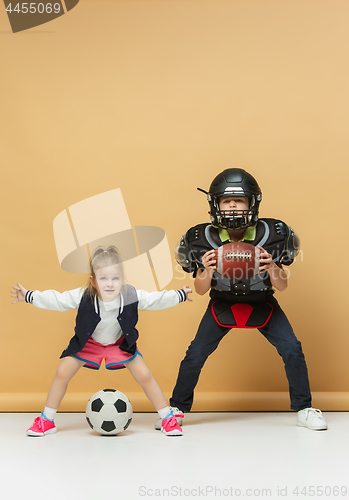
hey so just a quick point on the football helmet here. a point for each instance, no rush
(233, 182)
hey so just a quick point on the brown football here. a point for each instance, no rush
(237, 260)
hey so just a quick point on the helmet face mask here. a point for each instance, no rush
(231, 219)
(234, 182)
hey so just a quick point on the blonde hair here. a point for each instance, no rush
(104, 257)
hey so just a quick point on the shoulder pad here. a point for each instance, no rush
(291, 247)
(183, 253)
(193, 234)
(281, 228)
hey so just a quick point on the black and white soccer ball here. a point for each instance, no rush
(109, 412)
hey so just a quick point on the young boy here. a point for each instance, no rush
(234, 199)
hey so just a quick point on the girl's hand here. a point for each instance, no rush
(266, 261)
(208, 260)
(187, 290)
(18, 292)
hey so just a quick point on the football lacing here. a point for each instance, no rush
(238, 255)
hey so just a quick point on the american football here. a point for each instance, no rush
(237, 260)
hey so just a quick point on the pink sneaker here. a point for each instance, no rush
(170, 426)
(42, 426)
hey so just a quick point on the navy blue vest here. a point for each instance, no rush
(87, 320)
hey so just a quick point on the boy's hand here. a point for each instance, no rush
(187, 290)
(202, 282)
(266, 261)
(277, 275)
(18, 292)
(208, 260)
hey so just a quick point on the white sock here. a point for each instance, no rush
(164, 412)
(50, 413)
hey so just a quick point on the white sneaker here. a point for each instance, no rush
(312, 419)
(176, 412)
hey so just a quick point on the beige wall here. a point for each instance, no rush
(156, 98)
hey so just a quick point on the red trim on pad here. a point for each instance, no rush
(241, 313)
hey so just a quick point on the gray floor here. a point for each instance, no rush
(221, 455)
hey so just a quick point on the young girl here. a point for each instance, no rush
(105, 329)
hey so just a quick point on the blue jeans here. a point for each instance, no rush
(277, 331)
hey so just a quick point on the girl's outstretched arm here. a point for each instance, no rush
(153, 301)
(48, 299)
(187, 290)
(18, 292)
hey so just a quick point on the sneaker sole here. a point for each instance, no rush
(173, 433)
(41, 434)
(323, 428)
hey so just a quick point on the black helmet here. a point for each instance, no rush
(234, 182)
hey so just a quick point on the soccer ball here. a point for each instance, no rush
(109, 412)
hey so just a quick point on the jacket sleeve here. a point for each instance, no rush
(55, 301)
(160, 300)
